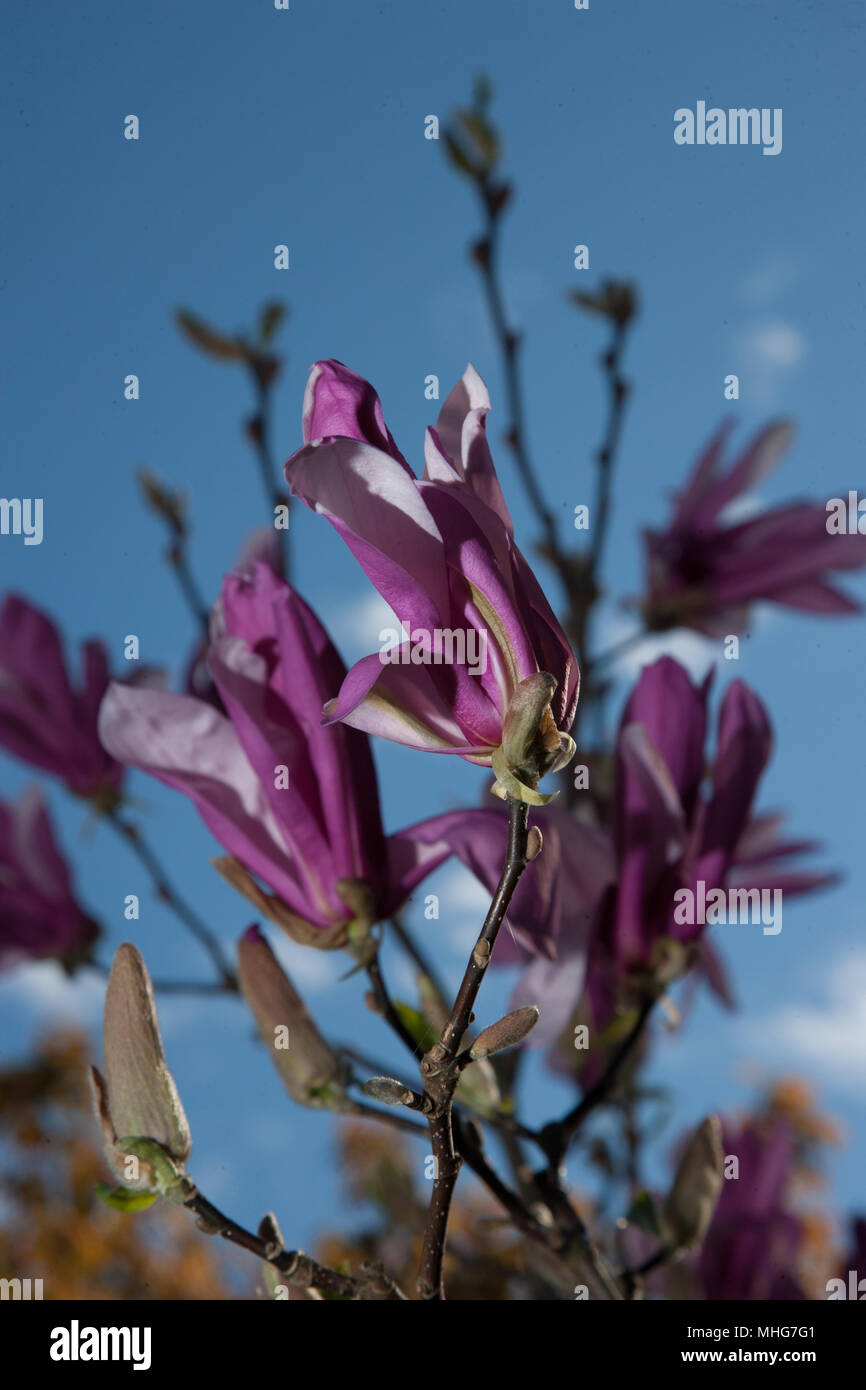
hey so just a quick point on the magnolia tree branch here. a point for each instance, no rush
(260, 438)
(485, 255)
(555, 1137)
(299, 1269)
(201, 987)
(440, 1070)
(132, 836)
(418, 957)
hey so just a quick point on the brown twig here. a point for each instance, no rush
(132, 836)
(556, 1136)
(260, 438)
(298, 1268)
(441, 1075)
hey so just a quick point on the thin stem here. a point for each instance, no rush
(618, 649)
(420, 959)
(629, 1277)
(515, 863)
(556, 1136)
(369, 1063)
(388, 1009)
(441, 1075)
(178, 560)
(509, 345)
(300, 1269)
(590, 590)
(261, 441)
(169, 986)
(617, 393)
(387, 1117)
(132, 836)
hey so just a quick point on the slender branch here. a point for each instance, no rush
(618, 649)
(132, 836)
(387, 1117)
(170, 507)
(260, 436)
(617, 393)
(486, 255)
(169, 986)
(369, 1063)
(419, 958)
(388, 1009)
(471, 1150)
(584, 600)
(629, 1277)
(300, 1269)
(556, 1136)
(178, 560)
(515, 863)
(441, 1075)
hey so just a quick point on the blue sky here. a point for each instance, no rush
(306, 127)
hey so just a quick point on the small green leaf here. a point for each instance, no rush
(416, 1024)
(644, 1213)
(123, 1198)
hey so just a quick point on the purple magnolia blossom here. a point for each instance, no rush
(608, 897)
(704, 569)
(441, 551)
(751, 1247)
(294, 801)
(43, 720)
(39, 914)
(262, 545)
(671, 834)
(667, 834)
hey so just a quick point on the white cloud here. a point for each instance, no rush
(355, 626)
(463, 904)
(310, 970)
(50, 995)
(690, 649)
(770, 280)
(775, 344)
(770, 351)
(829, 1037)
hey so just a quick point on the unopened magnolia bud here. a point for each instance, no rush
(526, 713)
(534, 843)
(696, 1189)
(311, 1071)
(532, 745)
(507, 1032)
(388, 1090)
(303, 932)
(137, 1098)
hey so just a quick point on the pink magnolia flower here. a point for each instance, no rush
(39, 913)
(293, 801)
(261, 545)
(751, 1248)
(671, 834)
(43, 720)
(705, 569)
(592, 906)
(441, 551)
